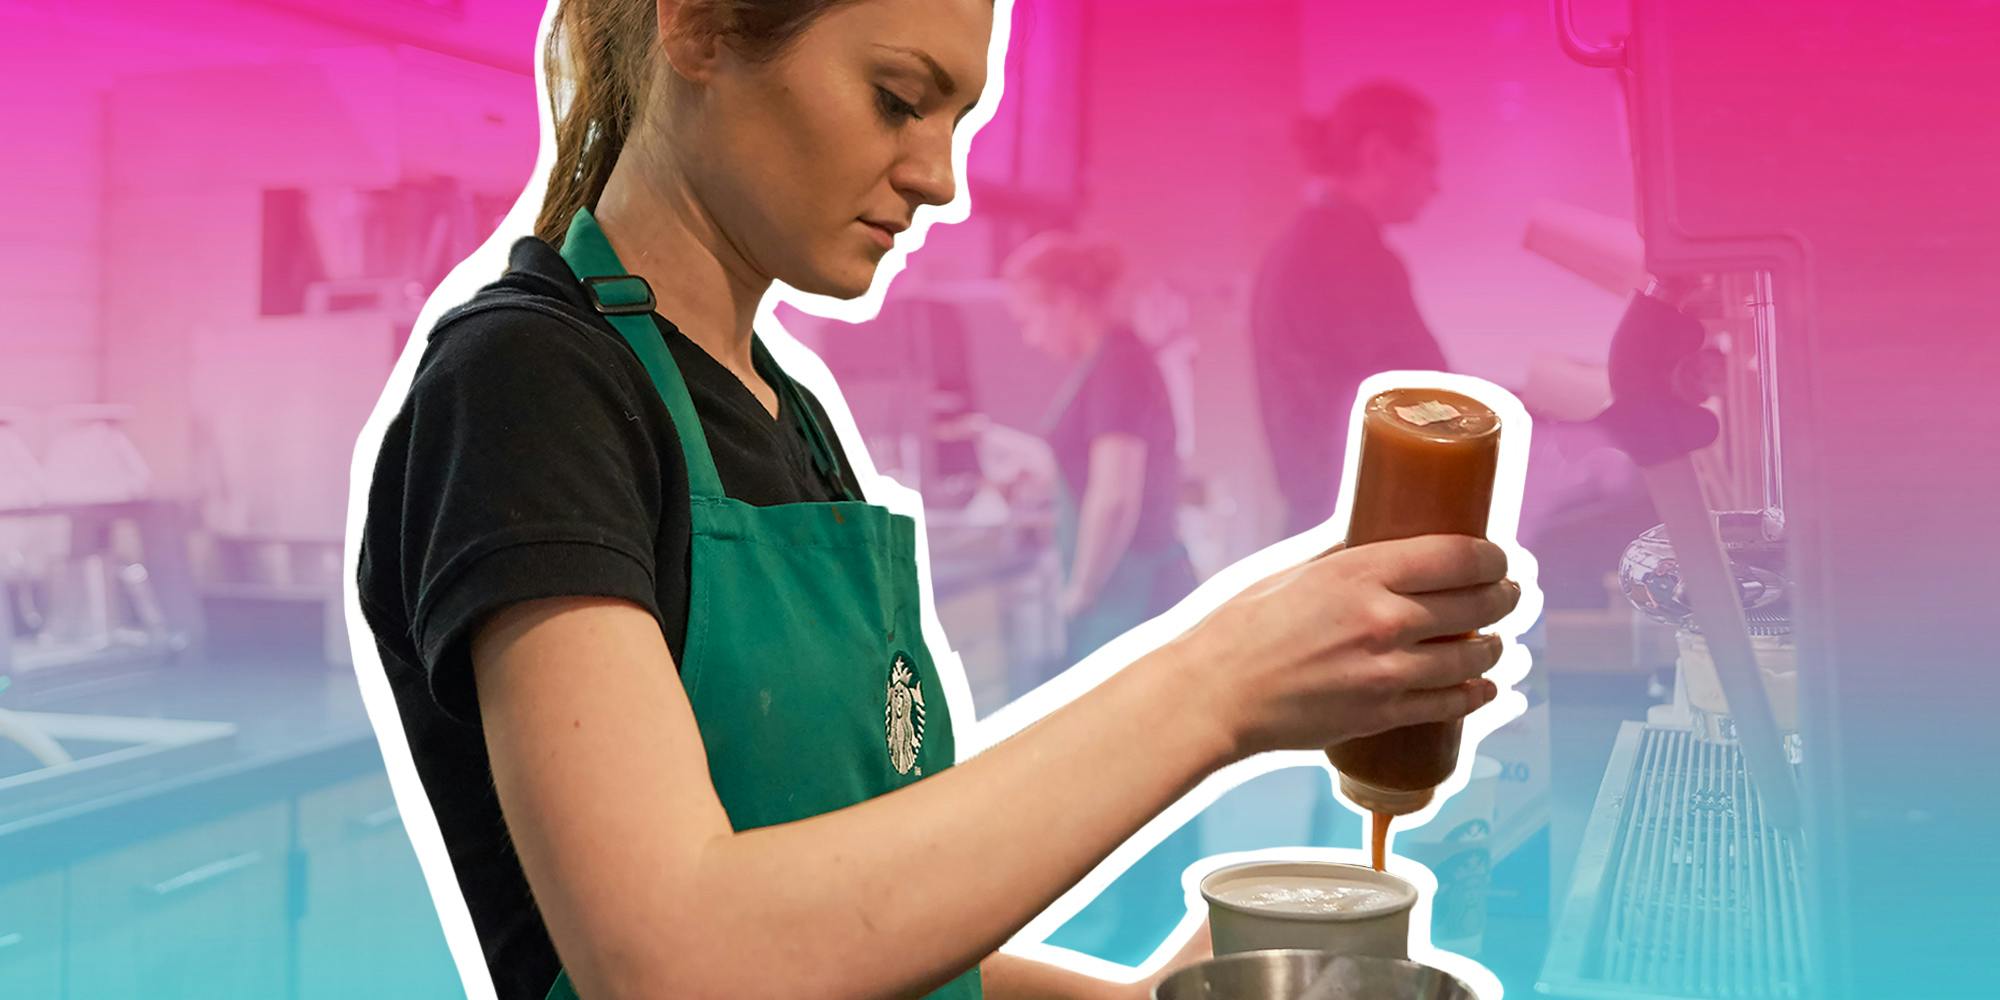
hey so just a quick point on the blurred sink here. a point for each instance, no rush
(110, 754)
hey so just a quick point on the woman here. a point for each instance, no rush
(660, 668)
(1332, 301)
(1111, 429)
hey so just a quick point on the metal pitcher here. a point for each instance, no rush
(1310, 975)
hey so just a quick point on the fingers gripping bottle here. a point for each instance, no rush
(1427, 465)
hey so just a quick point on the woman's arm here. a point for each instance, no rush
(647, 892)
(1018, 462)
(1011, 977)
(1107, 516)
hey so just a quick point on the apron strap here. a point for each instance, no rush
(1072, 385)
(627, 301)
(825, 457)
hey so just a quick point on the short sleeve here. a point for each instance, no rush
(1124, 392)
(532, 471)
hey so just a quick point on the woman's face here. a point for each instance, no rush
(810, 162)
(1051, 321)
(1405, 175)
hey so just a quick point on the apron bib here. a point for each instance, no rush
(805, 659)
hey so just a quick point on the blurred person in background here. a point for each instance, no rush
(1111, 431)
(1332, 303)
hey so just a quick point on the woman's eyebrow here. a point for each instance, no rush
(945, 84)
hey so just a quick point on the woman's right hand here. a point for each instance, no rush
(1351, 643)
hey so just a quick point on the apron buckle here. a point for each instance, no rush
(631, 307)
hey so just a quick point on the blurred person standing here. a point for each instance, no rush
(1332, 303)
(1111, 429)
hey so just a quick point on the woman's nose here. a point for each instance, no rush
(924, 174)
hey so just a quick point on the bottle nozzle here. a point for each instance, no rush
(1393, 801)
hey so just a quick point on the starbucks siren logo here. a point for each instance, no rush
(903, 719)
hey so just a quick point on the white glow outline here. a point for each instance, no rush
(490, 260)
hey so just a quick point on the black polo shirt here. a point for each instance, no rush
(1331, 305)
(533, 458)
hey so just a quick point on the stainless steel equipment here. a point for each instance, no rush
(21, 477)
(1827, 170)
(90, 457)
(1691, 864)
(1683, 886)
(1650, 575)
(95, 754)
(93, 569)
(1291, 974)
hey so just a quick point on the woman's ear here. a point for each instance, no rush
(689, 40)
(1376, 154)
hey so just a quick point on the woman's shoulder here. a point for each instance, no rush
(1124, 354)
(1126, 384)
(532, 322)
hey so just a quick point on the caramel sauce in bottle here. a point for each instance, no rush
(1427, 464)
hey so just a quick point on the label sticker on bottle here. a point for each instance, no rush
(1428, 412)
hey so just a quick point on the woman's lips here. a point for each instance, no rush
(884, 236)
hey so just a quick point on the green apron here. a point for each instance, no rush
(805, 659)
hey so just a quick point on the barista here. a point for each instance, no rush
(1111, 428)
(1332, 303)
(660, 664)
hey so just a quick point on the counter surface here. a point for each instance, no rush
(300, 726)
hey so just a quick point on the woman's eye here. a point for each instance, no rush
(894, 109)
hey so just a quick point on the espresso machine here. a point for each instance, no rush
(1817, 211)
(94, 581)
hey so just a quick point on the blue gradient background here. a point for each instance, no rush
(275, 866)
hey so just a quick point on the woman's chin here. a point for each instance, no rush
(848, 282)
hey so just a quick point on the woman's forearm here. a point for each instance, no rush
(1106, 522)
(1011, 977)
(898, 894)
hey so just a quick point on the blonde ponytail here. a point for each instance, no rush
(599, 61)
(598, 58)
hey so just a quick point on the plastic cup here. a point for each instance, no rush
(1378, 926)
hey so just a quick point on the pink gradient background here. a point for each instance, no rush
(140, 137)
(134, 230)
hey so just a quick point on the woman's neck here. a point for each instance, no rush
(662, 233)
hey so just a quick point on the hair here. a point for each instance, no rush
(1086, 267)
(1332, 141)
(599, 59)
